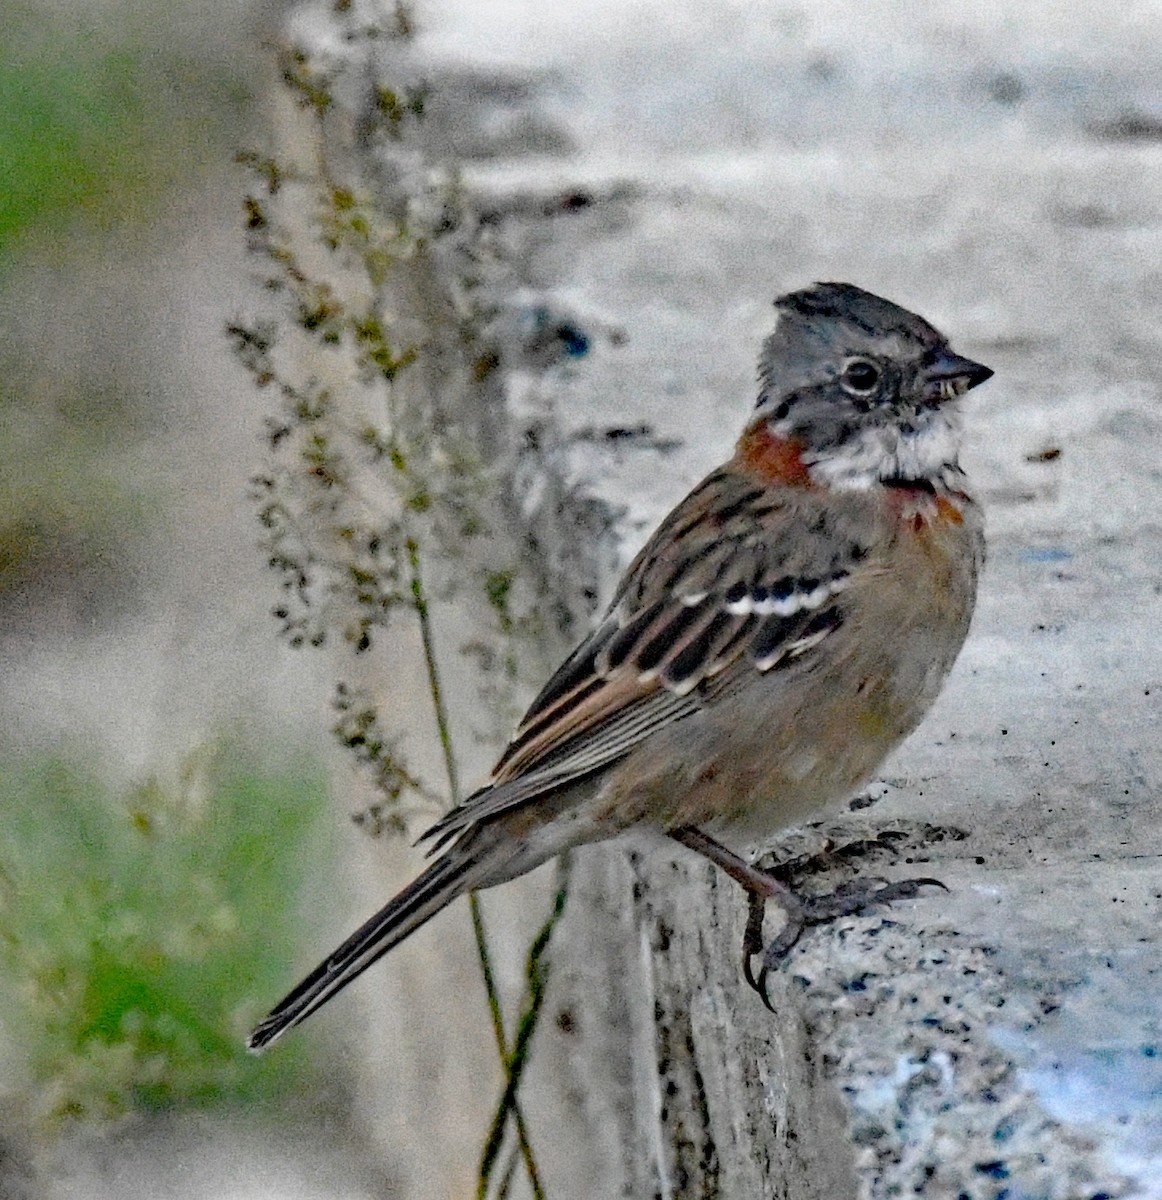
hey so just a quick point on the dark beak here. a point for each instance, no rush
(949, 375)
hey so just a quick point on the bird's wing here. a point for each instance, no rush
(740, 577)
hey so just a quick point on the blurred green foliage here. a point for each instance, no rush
(96, 127)
(70, 497)
(140, 937)
(106, 117)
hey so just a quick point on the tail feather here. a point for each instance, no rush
(437, 887)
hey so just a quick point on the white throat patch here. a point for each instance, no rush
(886, 452)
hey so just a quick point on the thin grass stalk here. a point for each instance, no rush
(483, 951)
(537, 971)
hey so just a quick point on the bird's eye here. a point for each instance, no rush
(860, 376)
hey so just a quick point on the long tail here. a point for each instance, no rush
(437, 887)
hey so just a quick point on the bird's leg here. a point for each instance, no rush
(760, 887)
(755, 880)
(799, 911)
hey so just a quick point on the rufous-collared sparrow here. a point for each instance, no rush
(787, 625)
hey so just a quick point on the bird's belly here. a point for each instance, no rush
(768, 776)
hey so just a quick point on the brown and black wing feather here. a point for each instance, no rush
(740, 577)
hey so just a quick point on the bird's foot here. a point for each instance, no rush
(800, 912)
(824, 860)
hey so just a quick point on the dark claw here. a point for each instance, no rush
(782, 945)
(761, 988)
(858, 896)
(752, 939)
(776, 952)
(752, 945)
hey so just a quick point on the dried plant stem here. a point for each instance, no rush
(424, 615)
(487, 1160)
(537, 975)
(509, 1061)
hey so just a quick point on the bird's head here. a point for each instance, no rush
(866, 391)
